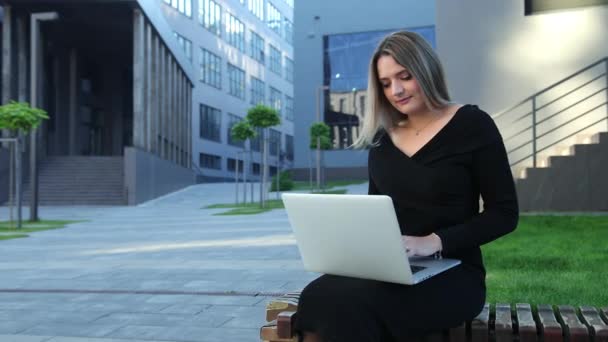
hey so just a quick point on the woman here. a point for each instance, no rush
(434, 159)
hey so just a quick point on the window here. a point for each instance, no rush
(288, 31)
(258, 93)
(233, 120)
(290, 3)
(289, 69)
(274, 142)
(232, 165)
(235, 32)
(289, 147)
(275, 60)
(275, 99)
(209, 15)
(210, 161)
(185, 44)
(257, 8)
(255, 168)
(236, 80)
(183, 6)
(210, 123)
(256, 47)
(289, 108)
(273, 17)
(211, 69)
(256, 143)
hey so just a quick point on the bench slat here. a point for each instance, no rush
(525, 322)
(597, 327)
(549, 327)
(285, 322)
(479, 325)
(458, 334)
(575, 330)
(269, 333)
(604, 314)
(503, 325)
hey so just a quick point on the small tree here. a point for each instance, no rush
(242, 131)
(320, 140)
(263, 117)
(18, 118)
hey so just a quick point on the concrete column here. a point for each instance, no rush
(138, 80)
(22, 72)
(190, 113)
(155, 98)
(161, 98)
(73, 88)
(7, 60)
(166, 99)
(171, 110)
(148, 86)
(181, 130)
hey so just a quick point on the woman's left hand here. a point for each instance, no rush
(422, 245)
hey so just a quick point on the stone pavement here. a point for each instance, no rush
(166, 270)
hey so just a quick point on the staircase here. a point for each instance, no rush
(80, 180)
(557, 143)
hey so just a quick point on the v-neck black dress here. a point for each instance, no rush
(436, 190)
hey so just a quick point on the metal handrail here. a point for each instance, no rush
(533, 114)
(605, 59)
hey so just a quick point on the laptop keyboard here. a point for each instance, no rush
(416, 268)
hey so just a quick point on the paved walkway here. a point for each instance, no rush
(166, 270)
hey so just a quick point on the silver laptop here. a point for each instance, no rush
(356, 236)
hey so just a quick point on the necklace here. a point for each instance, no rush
(417, 131)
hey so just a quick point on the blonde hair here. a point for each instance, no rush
(412, 52)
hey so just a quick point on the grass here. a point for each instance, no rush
(550, 260)
(254, 208)
(303, 185)
(29, 227)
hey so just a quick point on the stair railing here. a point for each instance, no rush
(555, 114)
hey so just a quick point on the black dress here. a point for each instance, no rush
(435, 190)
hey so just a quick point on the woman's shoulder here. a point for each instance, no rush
(476, 124)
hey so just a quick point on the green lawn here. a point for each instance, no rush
(550, 260)
(254, 208)
(29, 227)
(303, 185)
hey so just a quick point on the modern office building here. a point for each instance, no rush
(334, 41)
(243, 55)
(539, 67)
(118, 91)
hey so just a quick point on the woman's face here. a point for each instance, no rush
(400, 87)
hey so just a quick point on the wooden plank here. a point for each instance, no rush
(503, 325)
(279, 305)
(479, 325)
(268, 332)
(549, 328)
(597, 327)
(525, 323)
(575, 330)
(458, 334)
(285, 322)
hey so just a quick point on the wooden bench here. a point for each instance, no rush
(496, 323)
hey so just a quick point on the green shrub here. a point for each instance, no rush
(285, 182)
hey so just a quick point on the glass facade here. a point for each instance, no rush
(185, 43)
(210, 16)
(275, 100)
(274, 18)
(289, 108)
(211, 69)
(257, 8)
(182, 6)
(346, 62)
(257, 47)
(210, 161)
(235, 32)
(236, 80)
(275, 60)
(210, 123)
(258, 93)
(233, 120)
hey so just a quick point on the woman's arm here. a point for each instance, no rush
(492, 173)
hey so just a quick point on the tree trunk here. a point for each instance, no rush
(318, 163)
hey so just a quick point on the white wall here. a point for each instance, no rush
(495, 56)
